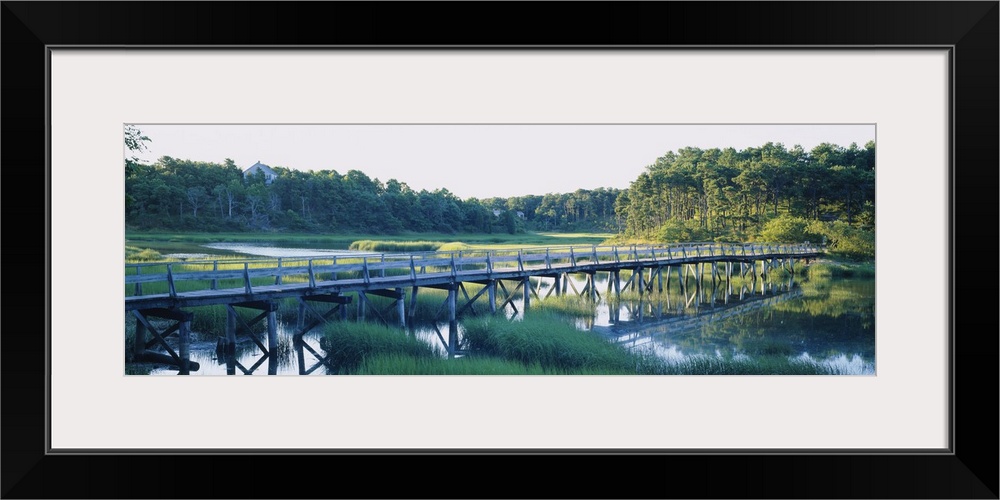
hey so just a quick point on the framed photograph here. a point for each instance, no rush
(919, 100)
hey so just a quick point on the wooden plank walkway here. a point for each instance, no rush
(346, 274)
(257, 284)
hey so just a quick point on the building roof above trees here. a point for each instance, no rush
(268, 172)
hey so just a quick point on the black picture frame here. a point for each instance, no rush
(969, 470)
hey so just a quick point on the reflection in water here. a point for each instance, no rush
(829, 322)
(246, 358)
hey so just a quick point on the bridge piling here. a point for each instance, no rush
(413, 303)
(140, 340)
(401, 307)
(452, 320)
(526, 292)
(184, 347)
(388, 275)
(272, 339)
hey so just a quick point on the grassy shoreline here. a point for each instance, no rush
(540, 345)
(344, 241)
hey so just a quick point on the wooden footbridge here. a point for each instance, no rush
(324, 287)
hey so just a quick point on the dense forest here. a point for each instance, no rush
(190, 195)
(770, 193)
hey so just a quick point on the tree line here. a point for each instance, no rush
(180, 194)
(770, 192)
(713, 193)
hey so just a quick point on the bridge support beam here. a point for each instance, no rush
(452, 320)
(140, 341)
(229, 348)
(526, 293)
(401, 307)
(182, 358)
(413, 304)
(491, 289)
(398, 297)
(268, 314)
(272, 340)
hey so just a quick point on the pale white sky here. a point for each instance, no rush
(478, 160)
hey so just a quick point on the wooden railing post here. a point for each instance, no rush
(277, 277)
(520, 264)
(364, 269)
(215, 269)
(312, 276)
(138, 286)
(413, 270)
(246, 278)
(170, 281)
(548, 260)
(489, 265)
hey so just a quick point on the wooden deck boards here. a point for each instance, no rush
(534, 265)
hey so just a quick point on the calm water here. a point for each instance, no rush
(828, 321)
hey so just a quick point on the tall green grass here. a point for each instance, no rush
(569, 305)
(454, 246)
(764, 365)
(399, 364)
(547, 340)
(137, 254)
(153, 239)
(840, 269)
(394, 246)
(350, 344)
(540, 345)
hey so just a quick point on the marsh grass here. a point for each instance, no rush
(350, 344)
(840, 269)
(190, 240)
(763, 365)
(547, 340)
(398, 364)
(569, 305)
(137, 254)
(454, 246)
(394, 246)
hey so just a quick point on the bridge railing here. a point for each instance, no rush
(178, 277)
